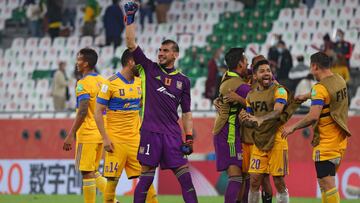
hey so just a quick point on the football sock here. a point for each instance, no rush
(282, 197)
(332, 196)
(151, 196)
(100, 182)
(233, 188)
(141, 190)
(89, 189)
(254, 197)
(323, 197)
(109, 193)
(266, 197)
(187, 187)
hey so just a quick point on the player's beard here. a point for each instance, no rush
(135, 71)
(266, 81)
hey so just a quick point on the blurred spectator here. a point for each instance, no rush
(114, 24)
(343, 49)
(147, 8)
(35, 13)
(304, 87)
(327, 47)
(54, 17)
(213, 74)
(273, 53)
(284, 64)
(300, 71)
(162, 8)
(60, 90)
(340, 67)
(92, 10)
(309, 3)
(69, 14)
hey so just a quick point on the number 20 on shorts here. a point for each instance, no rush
(255, 163)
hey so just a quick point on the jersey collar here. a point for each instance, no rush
(124, 79)
(232, 74)
(173, 71)
(92, 74)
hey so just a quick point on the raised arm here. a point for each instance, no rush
(130, 33)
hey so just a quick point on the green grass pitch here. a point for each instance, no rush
(127, 199)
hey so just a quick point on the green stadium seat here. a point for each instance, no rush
(227, 16)
(262, 3)
(260, 37)
(257, 15)
(292, 3)
(277, 4)
(221, 27)
(265, 26)
(272, 14)
(242, 16)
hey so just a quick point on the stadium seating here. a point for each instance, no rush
(199, 26)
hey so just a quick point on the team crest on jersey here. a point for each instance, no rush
(131, 89)
(167, 81)
(80, 87)
(239, 156)
(122, 92)
(141, 150)
(179, 85)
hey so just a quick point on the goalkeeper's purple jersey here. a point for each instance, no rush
(164, 90)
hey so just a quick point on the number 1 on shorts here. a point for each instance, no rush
(148, 149)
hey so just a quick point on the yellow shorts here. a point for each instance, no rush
(274, 162)
(123, 157)
(88, 156)
(246, 148)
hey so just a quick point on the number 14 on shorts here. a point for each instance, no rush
(113, 167)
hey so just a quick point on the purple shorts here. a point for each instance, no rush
(158, 148)
(222, 150)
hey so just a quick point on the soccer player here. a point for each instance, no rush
(269, 155)
(227, 141)
(247, 145)
(88, 139)
(165, 90)
(120, 97)
(328, 115)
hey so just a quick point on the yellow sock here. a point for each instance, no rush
(100, 182)
(89, 189)
(109, 194)
(151, 195)
(323, 197)
(332, 196)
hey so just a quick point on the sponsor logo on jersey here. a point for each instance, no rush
(164, 91)
(179, 85)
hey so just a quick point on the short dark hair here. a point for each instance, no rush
(175, 46)
(300, 58)
(233, 57)
(256, 59)
(259, 63)
(126, 56)
(89, 56)
(281, 43)
(321, 59)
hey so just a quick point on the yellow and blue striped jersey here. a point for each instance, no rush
(332, 138)
(123, 101)
(87, 88)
